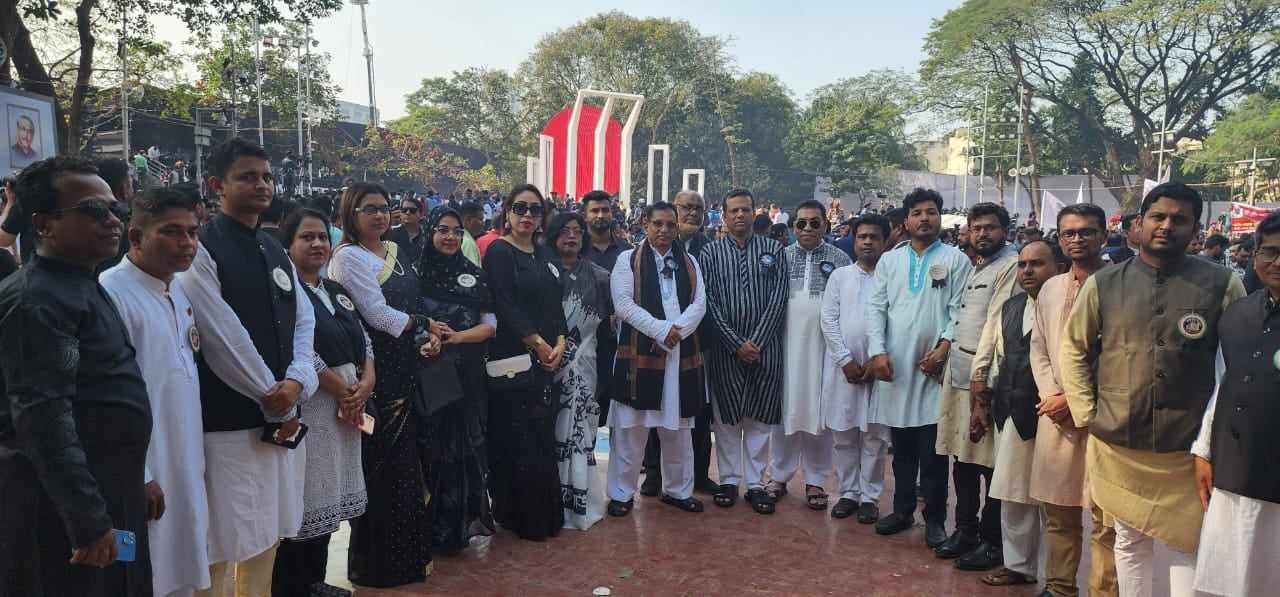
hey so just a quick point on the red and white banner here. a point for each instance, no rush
(1245, 218)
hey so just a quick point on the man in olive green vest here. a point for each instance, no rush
(1139, 378)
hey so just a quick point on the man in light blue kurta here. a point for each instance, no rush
(914, 306)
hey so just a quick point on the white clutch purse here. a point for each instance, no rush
(509, 367)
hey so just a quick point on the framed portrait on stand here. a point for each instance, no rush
(27, 131)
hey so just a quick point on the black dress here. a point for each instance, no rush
(390, 543)
(522, 442)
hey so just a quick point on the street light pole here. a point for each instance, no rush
(257, 73)
(124, 83)
(368, 58)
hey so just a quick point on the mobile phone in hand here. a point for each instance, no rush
(126, 545)
(366, 424)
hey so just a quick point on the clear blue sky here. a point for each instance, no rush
(806, 43)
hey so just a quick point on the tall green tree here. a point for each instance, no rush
(854, 131)
(1254, 123)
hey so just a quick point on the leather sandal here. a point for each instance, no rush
(1005, 577)
(726, 496)
(619, 509)
(817, 499)
(760, 501)
(689, 504)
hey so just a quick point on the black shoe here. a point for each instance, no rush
(868, 513)
(895, 523)
(620, 509)
(760, 500)
(844, 508)
(706, 486)
(935, 534)
(983, 557)
(321, 589)
(960, 543)
(689, 504)
(652, 486)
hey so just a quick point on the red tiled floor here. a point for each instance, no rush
(659, 550)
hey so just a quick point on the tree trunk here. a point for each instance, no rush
(1024, 93)
(75, 134)
(32, 74)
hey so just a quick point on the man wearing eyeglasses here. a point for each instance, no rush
(658, 383)
(75, 421)
(1236, 452)
(1058, 465)
(409, 233)
(802, 439)
(1139, 379)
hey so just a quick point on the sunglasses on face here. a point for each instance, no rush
(447, 231)
(370, 210)
(1266, 254)
(530, 209)
(813, 223)
(410, 211)
(96, 209)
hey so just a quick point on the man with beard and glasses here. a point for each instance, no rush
(1010, 403)
(913, 310)
(746, 301)
(976, 540)
(1058, 467)
(75, 421)
(691, 215)
(160, 322)
(409, 233)
(602, 248)
(1140, 379)
(802, 440)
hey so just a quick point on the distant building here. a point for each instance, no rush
(945, 156)
(353, 113)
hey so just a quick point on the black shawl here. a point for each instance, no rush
(443, 276)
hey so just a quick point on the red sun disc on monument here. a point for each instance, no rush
(558, 128)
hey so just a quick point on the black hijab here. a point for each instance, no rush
(445, 278)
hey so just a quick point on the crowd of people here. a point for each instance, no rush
(196, 397)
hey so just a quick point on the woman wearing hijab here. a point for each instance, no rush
(334, 489)
(391, 543)
(586, 302)
(456, 294)
(523, 357)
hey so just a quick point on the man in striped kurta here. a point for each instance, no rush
(747, 300)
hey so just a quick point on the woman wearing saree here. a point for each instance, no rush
(586, 302)
(390, 544)
(455, 294)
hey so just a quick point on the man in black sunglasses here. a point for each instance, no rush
(409, 233)
(75, 422)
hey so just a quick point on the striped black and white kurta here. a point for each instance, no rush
(746, 300)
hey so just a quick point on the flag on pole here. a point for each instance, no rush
(1080, 194)
(1147, 185)
(1050, 205)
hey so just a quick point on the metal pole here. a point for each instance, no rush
(1017, 165)
(1253, 176)
(199, 158)
(982, 159)
(1160, 162)
(307, 95)
(257, 77)
(300, 101)
(124, 84)
(368, 58)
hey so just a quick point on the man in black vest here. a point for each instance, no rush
(1237, 456)
(1010, 402)
(256, 362)
(659, 297)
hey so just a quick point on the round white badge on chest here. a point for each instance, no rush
(282, 279)
(1275, 359)
(466, 280)
(937, 273)
(767, 260)
(554, 270)
(346, 302)
(1192, 326)
(193, 338)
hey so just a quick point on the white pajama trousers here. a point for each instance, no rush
(626, 459)
(749, 438)
(859, 462)
(1021, 528)
(1135, 565)
(790, 451)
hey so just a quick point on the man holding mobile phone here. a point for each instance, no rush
(75, 422)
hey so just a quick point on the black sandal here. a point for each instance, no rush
(688, 504)
(726, 496)
(844, 508)
(817, 501)
(760, 501)
(620, 509)
(776, 489)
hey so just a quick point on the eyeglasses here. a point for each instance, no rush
(814, 223)
(1082, 234)
(689, 207)
(410, 210)
(96, 209)
(448, 231)
(371, 210)
(531, 209)
(1266, 254)
(574, 231)
(662, 224)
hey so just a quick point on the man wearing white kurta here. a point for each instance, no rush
(159, 320)
(860, 446)
(802, 437)
(248, 303)
(658, 382)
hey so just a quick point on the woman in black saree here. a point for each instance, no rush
(455, 294)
